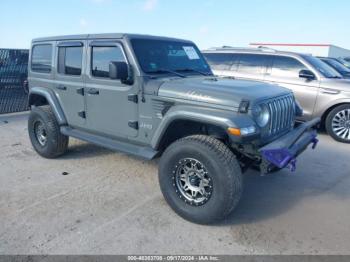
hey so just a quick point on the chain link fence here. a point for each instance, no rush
(13, 80)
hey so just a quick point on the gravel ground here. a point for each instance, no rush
(110, 203)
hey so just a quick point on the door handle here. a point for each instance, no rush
(93, 91)
(61, 87)
(330, 91)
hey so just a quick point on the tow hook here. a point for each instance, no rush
(314, 142)
(292, 166)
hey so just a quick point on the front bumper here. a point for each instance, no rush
(282, 152)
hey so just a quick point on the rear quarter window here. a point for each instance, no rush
(41, 61)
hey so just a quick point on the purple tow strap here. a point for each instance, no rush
(282, 157)
(278, 157)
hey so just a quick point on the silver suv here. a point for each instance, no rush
(318, 88)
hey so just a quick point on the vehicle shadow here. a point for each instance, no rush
(271, 195)
(325, 171)
(81, 150)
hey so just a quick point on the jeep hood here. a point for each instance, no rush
(220, 91)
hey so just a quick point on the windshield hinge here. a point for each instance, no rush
(133, 98)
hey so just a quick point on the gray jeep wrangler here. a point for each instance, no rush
(154, 96)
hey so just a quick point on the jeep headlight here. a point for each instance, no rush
(262, 115)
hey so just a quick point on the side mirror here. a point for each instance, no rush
(118, 71)
(307, 74)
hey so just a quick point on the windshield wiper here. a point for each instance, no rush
(193, 70)
(161, 71)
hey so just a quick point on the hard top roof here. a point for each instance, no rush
(105, 36)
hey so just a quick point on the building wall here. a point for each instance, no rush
(336, 52)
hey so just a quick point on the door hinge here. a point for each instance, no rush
(133, 98)
(80, 91)
(82, 114)
(134, 124)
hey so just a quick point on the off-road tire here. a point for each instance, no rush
(56, 143)
(222, 167)
(329, 119)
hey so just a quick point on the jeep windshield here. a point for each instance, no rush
(324, 69)
(169, 57)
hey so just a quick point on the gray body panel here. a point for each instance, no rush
(216, 91)
(110, 111)
(66, 89)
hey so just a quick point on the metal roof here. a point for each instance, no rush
(289, 44)
(250, 50)
(104, 36)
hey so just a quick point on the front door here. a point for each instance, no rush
(109, 110)
(69, 81)
(285, 72)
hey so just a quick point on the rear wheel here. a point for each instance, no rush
(44, 133)
(200, 179)
(338, 123)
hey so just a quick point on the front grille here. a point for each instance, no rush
(282, 114)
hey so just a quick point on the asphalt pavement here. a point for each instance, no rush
(95, 201)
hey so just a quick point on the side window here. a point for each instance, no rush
(41, 58)
(219, 61)
(252, 64)
(102, 56)
(235, 62)
(284, 66)
(70, 60)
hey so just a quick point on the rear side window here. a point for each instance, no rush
(41, 58)
(253, 64)
(70, 60)
(284, 66)
(219, 61)
(102, 56)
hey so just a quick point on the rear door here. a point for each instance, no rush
(109, 109)
(285, 72)
(251, 66)
(69, 84)
(220, 63)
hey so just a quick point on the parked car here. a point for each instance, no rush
(344, 62)
(154, 96)
(347, 59)
(318, 88)
(337, 65)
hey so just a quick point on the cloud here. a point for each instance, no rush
(150, 5)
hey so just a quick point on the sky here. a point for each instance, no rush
(206, 22)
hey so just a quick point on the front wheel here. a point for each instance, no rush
(338, 123)
(200, 179)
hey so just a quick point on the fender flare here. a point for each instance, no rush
(332, 103)
(51, 98)
(218, 117)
